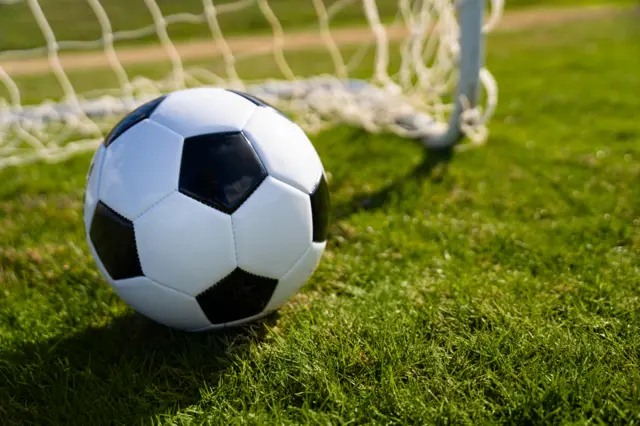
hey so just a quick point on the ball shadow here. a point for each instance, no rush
(121, 373)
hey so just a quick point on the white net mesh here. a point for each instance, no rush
(409, 71)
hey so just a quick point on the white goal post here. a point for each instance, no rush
(428, 80)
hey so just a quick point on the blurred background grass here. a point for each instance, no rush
(75, 20)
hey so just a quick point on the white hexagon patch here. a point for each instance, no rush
(284, 149)
(272, 229)
(140, 168)
(203, 110)
(184, 244)
(297, 276)
(91, 192)
(162, 304)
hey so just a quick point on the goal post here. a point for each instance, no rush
(426, 81)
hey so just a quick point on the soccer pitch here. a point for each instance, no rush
(497, 285)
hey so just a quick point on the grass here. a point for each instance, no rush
(19, 30)
(502, 286)
(76, 20)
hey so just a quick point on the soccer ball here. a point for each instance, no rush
(206, 208)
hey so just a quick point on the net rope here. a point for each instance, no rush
(413, 99)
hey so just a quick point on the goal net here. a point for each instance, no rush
(411, 67)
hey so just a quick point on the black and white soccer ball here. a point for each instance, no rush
(206, 208)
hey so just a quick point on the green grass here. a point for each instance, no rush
(18, 29)
(76, 20)
(502, 286)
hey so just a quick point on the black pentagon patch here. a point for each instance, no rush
(237, 296)
(258, 102)
(321, 210)
(115, 243)
(220, 170)
(144, 111)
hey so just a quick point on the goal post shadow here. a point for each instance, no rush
(433, 167)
